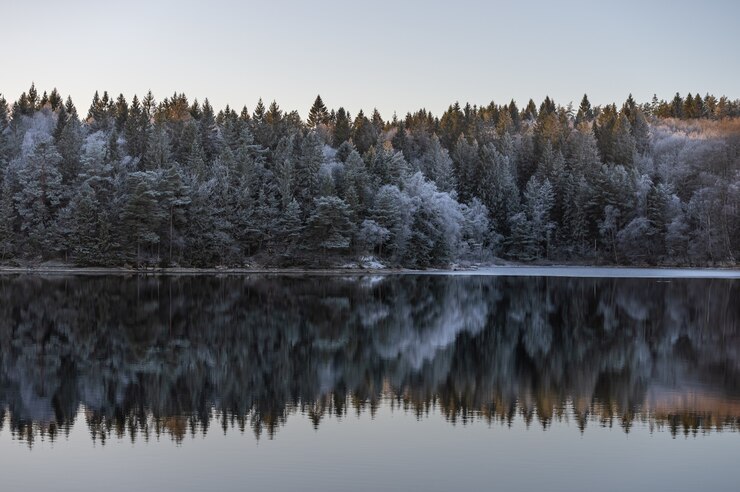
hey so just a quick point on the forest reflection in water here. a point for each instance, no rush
(140, 357)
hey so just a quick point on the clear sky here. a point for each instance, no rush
(394, 55)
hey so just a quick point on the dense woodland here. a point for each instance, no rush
(142, 182)
(147, 356)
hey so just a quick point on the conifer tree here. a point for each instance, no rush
(141, 217)
(158, 149)
(342, 130)
(284, 170)
(307, 169)
(174, 198)
(363, 133)
(329, 227)
(290, 227)
(39, 197)
(136, 129)
(121, 113)
(8, 219)
(585, 113)
(55, 100)
(209, 134)
(318, 114)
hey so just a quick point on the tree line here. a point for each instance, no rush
(168, 183)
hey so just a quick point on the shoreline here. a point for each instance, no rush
(574, 271)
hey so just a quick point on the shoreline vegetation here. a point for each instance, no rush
(175, 183)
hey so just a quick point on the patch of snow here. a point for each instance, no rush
(371, 263)
(593, 272)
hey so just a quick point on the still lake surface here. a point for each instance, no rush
(398, 382)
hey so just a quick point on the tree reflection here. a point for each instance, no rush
(146, 357)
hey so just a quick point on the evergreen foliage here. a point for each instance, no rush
(144, 183)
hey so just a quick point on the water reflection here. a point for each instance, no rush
(146, 357)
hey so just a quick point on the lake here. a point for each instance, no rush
(394, 382)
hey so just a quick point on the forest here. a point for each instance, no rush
(146, 183)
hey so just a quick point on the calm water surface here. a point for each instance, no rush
(369, 383)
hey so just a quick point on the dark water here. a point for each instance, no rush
(369, 383)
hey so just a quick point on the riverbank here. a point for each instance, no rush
(509, 270)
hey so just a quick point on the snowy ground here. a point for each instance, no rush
(595, 272)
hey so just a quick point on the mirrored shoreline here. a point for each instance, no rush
(178, 356)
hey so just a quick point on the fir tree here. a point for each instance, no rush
(585, 113)
(39, 197)
(342, 130)
(318, 115)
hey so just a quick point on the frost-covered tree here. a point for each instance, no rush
(171, 182)
(437, 165)
(39, 197)
(141, 218)
(329, 226)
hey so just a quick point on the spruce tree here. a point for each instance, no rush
(318, 114)
(174, 198)
(55, 100)
(39, 197)
(585, 113)
(329, 226)
(136, 129)
(8, 220)
(363, 133)
(285, 172)
(121, 113)
(140, 218)
(307, 168)
(342, 130)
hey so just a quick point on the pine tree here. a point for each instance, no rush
(8, 219)
(140, 217)
(209, 134)
(363, 133)
(69, 142)
(677, 106)
(121, 113)
(90, 233)
(307, 168)
(318, 115)
(377, 121)
(387, 166)
(259, 112)
(196, 163)
(174, 198)
(39, 197)
(284, 170)
(451, 125)
(136, 129)
(342, 130)
(329, 227)
(55, 100)
(624, 142)
(4, 139)
(33, 99)
(467, 166)
(290, 227)
(158, 149)
(437, 165)
(539, 200)
(497, 187)
(585, 113)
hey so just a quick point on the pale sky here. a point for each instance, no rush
(393, 55)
